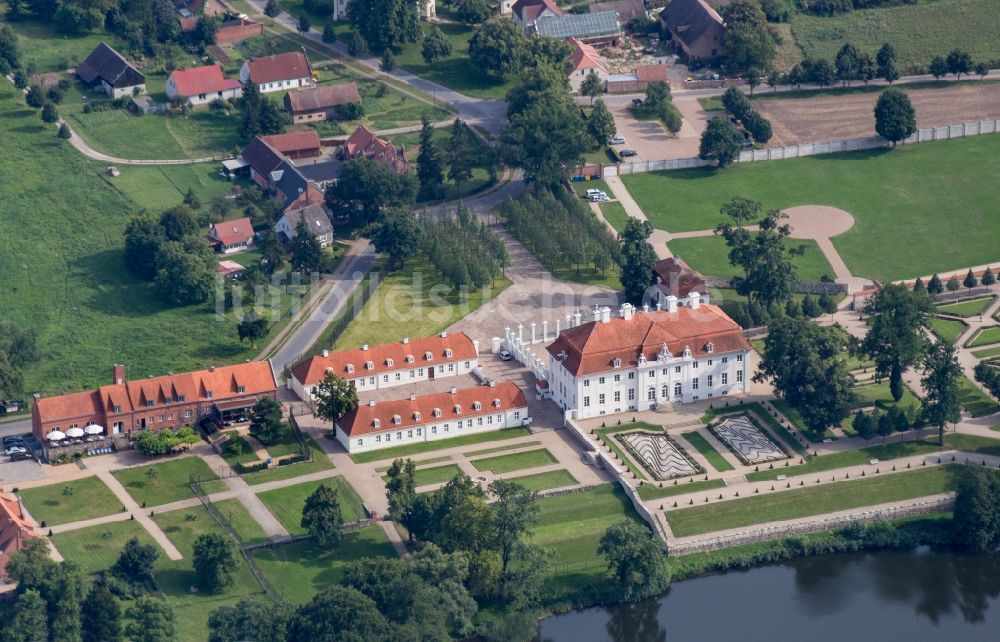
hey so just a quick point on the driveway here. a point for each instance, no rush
(650, 138)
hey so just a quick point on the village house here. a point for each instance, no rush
(695, 28)
(389, 364)
(426, 9)
(592, 28)
(501, 7)
(278, 72)
(107, 70)
(201, 85)
(295, 145)
(15, 529)
(229, 237)
(643, 360)
(526, 12)
(317, 221)
(156, 403)
(276, 174)
(363, 143)
(584, 60)
(416, 419)
(321, 103)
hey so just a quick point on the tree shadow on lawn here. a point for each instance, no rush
(17, 114)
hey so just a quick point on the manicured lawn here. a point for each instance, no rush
(812, 501)
(648, 491)
(895, 197)
(287, 503)
(442, 135)
(440, 444)
(609, 278)
(713, 456)
(245, 453)
(711, 103)
(167, 481)
(882, 452)
(986, 336)
(987, 353)
(606, 435)
(300, 570)
(73, 501)
(918, 32)
(515, 461)
(878, 394)
(973, 444)
(319, 462)
(581, 187)
(96, 548)
(158, 187)
(709, 255)
(236, 514)
(614, 213)
(948, 330)
(977, 402)
(545, 481)
(572, 526)
(497, 449)
(404, 306)
(972, 308)
(435, 474)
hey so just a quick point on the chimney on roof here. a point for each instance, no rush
(211, 368)
(413, 397)
(454, 390)
(119, 373)
(493, 384)
(326, 353)
(694, 300)
(371, 403)
(597, 313)
(671, 303)
(364, 346)
(406, 340)
(444, 334)
(475, 346)
(627, 311)
(605, 314)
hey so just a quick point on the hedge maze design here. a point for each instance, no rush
(659, 456)
(746, 440)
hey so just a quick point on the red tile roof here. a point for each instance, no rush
(364, 142)
(677, 278)
(293, 141)
(584, 56)
(651, 73)
(223, 383)
(286, 66)
(593, 347)
(312, 370)
(530, 9)
(433, 408)
(323, 97)
(228, 268)
(76, 405)
(202, 80)
(232, 232)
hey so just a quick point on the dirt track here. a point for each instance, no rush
(828, 118)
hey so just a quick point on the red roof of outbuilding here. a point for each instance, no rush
(202, 80)
(286, 66)
(293, 141)
(651, 73)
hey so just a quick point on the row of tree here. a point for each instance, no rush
(659, 103)
(560, 230)
(988, 374)
(18, 350)
(737, 104)
(464, 250)
(934, 286)
(883, 424)
(455, 160)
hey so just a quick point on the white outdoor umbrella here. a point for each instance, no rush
(55, 435)
(93, 429)
(74, 432)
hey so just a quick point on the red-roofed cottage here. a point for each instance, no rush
(639, 360)
(15, 528)
(229, 237)
(389, 364)
(526, 13)
(584, 60)
(363, 143)
(386, 424)
(279, 72)
(295, 145)
(201, 85)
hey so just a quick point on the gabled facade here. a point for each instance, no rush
(202, 85)
(317, 220)
(642, 360)
(696, 28)
(296, 145)
(229, 237)
(584, 60)
(363, 143)
(279, 72)
(389, 364)
(15, 529)
(674, 278)
(526, 12)
(107, 70)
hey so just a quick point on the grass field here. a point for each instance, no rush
(948, 330)
(435, 474)
(648, 491)
(300, 570)
(96, 548)
(70, 501)
(882, 452)
(572, 526)
(878, 394)
(47, 50)
(236, 514)
(977, 402)
(545, 481)
(709, 255)
(971, 308)
(987, 354)
(245, 453)
(442, 135)
(167, 481)
(713, 456)
(918, 32)
(985, 336)
(413, 302)
(496, 449)
(614, 213)
(319, 462)
(440, 444)
(515, 461)
(895, 196)
(287, 503)
(812, 501)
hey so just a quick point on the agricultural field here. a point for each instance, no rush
(895, 196)
(918, 32)
(709, 255)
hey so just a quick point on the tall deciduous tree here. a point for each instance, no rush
(366, 188)
(895, 339)
(335, 397)
(895, 117)
(215, 562)
(322, 516)
(250, 619)
(430, 163)
(592, 86)
(385, 23)
(938, 67)
(748, 41)
(401, 491)
(497, 48)
(885, 61)
(151, 620)
(185, 272)
(135, 563)
(601, 124)
(100, 617)
(720, 142)
(636, 558)
(435, 45)
(514, 508)
(338, 613)
(253, 328)
(977, 510)
(638, 259)
(959, 62)
(846, 63)
(941, 387)
(266, 423)
(397, 235)
(28, 623)
(306, 251)
(473, 12)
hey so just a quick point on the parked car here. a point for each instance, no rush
(598, 198)
(20, 456)
(618, 140)
(628, 152)
(592, 191)
(504, 355)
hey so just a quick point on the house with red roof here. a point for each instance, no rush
(229, 237)
(321, 103)
(201, 85)
(295, 145)
(389, 364)
(279, 72)
(384, 424)
(363, 143)
(583, 60)
(15, 529)
(527, 12)
(640, 360)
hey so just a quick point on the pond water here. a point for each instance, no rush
(885, 596)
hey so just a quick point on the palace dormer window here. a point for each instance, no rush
(241, 390)
(709, 347)
(149, 403)
(396, 419)
(496, 403)
(416, 416)
(458, 409)
(180, 398)
(350, 367)
(388, 362)
(617, 363)
(369, 365)
(448, 353)
(409, 358)
(208, 394)
(376, 423)
(436, 412)
(116, 409)
(428, 356)
(477, 406)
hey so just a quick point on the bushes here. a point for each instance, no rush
(150, 442)
(464, 249)
(243, 469)
(988, 374)
(737, 104)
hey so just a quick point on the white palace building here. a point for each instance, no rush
(643, 359)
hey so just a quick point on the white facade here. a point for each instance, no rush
(284, 226)
(121, 92)
(201, 99)
(577, 76)
(277, 85)
(443, 429)
(426, 9)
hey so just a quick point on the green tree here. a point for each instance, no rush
(982, 69)
(400, 489)
(338, 613)
(151, 620)
(988, 278)
(366, 188)
(250, 619)
(895, 339)
(885, 61)
(459, 155)
(49, 113)
(215, 562)
(329, 34)
(810, 307)
(272, 8)
(11, 381)
(250, 105)
(805, 363)
(435, 45)
(305, 249)
(601, 124)
(10, 50)
(934, 286)
(827, 303)
(514, 508)
(918, 285)
(953, 284)
(720, 142)
(867, 71)
(747, 39)
(356, 44)
(636, 558)
(388, 60)
(430, 163)
(335, 397)
(178, 223)
(28, 623)
(206, 31)
(266, 423)
(35, 97)
(253, 328)
(100, 617)
(497, 48)
(638, 259)
(135, 563)
(959, 62)
(397, 235)
(864, 425)
(977, 510)
(895, 118)
(941, 387)
(846, 63)
(883, 425)
(473, 12)
(303, 25)
(822, 72)
(592, 86)
(970, 280)
(938, 67)
(185, 272)
(65, 132)
(385, 23)
(323, 517)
